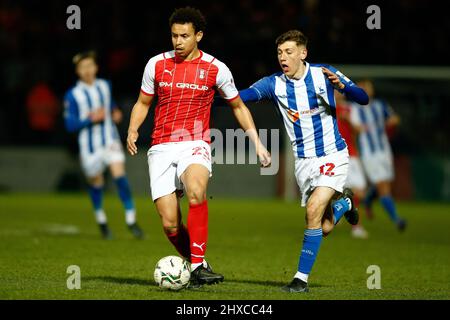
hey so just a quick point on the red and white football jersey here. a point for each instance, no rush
(185, 91)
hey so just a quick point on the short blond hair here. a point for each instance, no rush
(84, 55)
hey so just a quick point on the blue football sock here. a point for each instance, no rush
(371, 195)
(96, 194)
(340, 207)
(389, 206)
(125, 192)
(310, 249)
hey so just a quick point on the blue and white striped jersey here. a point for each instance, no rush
(308, 109)
(79, 101)
(372, 118)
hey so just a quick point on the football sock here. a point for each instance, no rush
(371, 194)
(96, 195)
(340, 207)
(195, 265)
(127, 201)
(197, 224)
(389, 206)
(130, 216)
(100, 216)
(310, 249)
(180, 240)
(301, 276)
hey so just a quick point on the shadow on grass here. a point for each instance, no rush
(120, 280)
(269, 283)
(146, 282)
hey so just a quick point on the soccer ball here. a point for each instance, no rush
(172, 273)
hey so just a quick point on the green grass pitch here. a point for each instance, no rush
(255, 243)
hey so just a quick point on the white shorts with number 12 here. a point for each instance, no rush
(327, 171)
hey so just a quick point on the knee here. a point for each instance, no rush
(383, 189)
(96, 181)
(313, 215)
(170, 223)
(117, 170)
(196, 193)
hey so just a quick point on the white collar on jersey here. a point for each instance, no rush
(86, 85)
(303, 76)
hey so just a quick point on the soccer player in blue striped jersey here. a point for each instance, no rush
(375, 150)
(304, 98)
(90, 110)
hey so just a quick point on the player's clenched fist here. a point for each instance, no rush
(117, 115)
(131, 142)
(264, 156)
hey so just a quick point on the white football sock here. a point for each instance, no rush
(301, 276)
(195, 265)
(130, 217)
(100, 216)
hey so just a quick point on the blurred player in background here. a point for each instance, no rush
(304, 95)
(91, 111)
(184, 80)
(375, 150)
(355, 177)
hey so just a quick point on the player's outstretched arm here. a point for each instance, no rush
(245, 120)
(352, 92)
(138, 115)
(249, 95)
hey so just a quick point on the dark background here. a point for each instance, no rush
(37, 47)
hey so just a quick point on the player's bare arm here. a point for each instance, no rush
(245, 120)
(138, 115)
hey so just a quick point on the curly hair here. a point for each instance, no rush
(188, 15)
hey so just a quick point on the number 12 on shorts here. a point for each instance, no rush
(327, 169)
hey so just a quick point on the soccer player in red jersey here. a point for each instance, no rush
(356, 179)
(184, 80)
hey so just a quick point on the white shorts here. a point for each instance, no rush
(327, 171)
(95, 163)
(355, 178)
(168, 161)
(379, 167)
